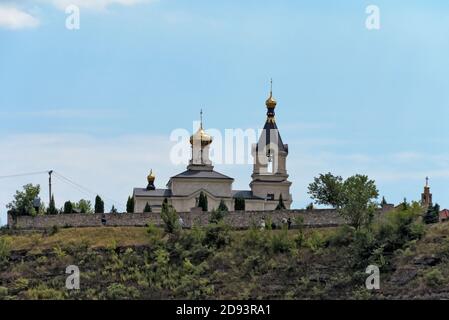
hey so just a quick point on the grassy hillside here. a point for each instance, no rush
(216, 263)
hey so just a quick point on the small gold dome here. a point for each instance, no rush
(151, 177)
(202, 136)
(271, 102)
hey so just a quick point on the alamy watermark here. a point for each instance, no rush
(372, 22)
(72, 282)
(373, 281)
(72, 22)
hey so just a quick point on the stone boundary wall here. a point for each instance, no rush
(238, 219)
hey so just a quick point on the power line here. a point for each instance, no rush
(84, 189)
(23, 174)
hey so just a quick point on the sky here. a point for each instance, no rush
(98, 104)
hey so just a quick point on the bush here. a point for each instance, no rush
(53, 230)
(68, 207)
(239, 204)
(42, 292)
(280, 243)
(217, 215)
(434, 278)
(3, 293)
(170, 218)
(118, 291)
(343, 236)
(217, 235)
(5, 249)
(315, 241)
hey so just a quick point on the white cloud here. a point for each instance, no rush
(14, 18)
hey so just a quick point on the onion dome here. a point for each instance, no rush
(151, 177)
(201, 136)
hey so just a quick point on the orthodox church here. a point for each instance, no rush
(269, 177)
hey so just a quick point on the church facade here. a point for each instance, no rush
(269, 178)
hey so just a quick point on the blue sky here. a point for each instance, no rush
(98, 104)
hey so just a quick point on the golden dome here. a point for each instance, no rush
(151, 177)
(202, 136)
(271, 102)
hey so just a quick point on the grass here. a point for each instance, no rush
(94, 237)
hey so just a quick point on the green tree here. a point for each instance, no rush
(202, 201)
(84, 206)
(170, 218)
(432, 215)
(309, 207)
(22, 205)
(68, 207)
(52, 207)
(383, 202)
(357, 204)
(99, 205)
(222, 206)
(130, 205)
(353, 198)
(239, 204)
(147, 208)
(281, 205)
(113, 209)
(327, 189)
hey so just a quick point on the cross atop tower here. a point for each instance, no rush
(427, 181)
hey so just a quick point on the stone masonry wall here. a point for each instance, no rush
(242, 219)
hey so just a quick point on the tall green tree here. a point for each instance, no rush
(281, 205)
(23, 205)
(222, 206)
(130, 205)
(239, 204)
(52, 207)
(113, 209)
(147, 208)
(84, 206)
(99, 205)
(432, 214)
(68, 207)
(327, 189)
(202, 201)
(170, 218)
(353, 198)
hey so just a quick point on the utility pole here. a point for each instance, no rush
(49, 185)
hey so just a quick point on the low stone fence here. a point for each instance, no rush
(238, 219)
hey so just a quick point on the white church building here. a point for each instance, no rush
(269, 177)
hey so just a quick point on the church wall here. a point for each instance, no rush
(238, 219)
(184, 187)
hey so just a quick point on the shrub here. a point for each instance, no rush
(5, 249)
(315, 241)
(222, 207)
(280, 243)
(239, 204)
(3, 293)
(202, 201)
(42, 292)
(217, 215)
(170, 218)
(99, 205)
(147, 208)
(130, 205)
(117, 291)
(68, 207)
(53, 230)
(434, 278)
(343, 236)
(217, 235)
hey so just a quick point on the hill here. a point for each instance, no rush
(215, 262)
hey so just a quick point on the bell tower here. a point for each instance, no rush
(269, 178)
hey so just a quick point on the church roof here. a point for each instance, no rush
(270, 130)
(245, 194)
(206, 174)
(142, 192)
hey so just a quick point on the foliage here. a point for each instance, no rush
(117, 291)
(99, 205)
(5, 249)
(170, 218)
(353, 198)
(309, 207)
(281, 205)
(281, 243)
(434, 278)
(217, 215)
(222, 207)
(217, 235)
(84, 206)
(327, 189)
(202, 201)
(42, 292)
(432, 214)
(113, 209)
(68, 207)
(130, 205)
(51, 210)
(147, 208)
(239, 204)
(22, 205)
